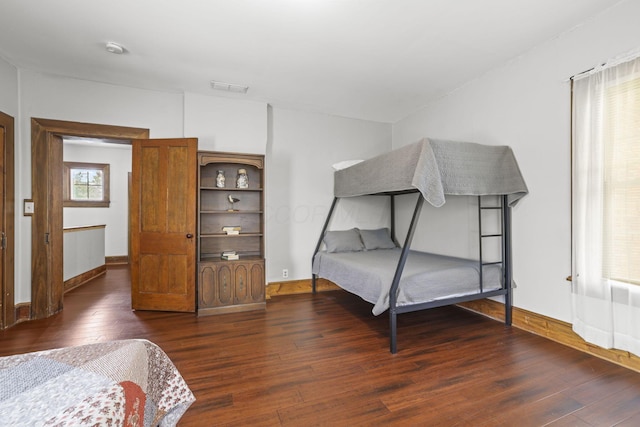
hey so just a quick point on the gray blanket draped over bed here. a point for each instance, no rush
(436, 168)
(426, 277)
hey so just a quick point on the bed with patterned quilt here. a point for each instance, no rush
(116, 383)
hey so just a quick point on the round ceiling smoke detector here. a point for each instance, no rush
(115, 48)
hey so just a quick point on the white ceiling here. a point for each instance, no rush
(372, 59)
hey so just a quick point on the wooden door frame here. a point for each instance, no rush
(7, 285)
(47, 285)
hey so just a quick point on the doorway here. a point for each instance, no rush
(47, 284)
(95, 207)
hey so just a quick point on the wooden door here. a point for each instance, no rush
(3, 238)
(163, 224)
(7, 203)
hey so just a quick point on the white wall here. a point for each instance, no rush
(299, 181)
(223, 124)
(52, 97)
(526, 104)
(8, 88)
(83, 251)
(300, 149)
(116, 216)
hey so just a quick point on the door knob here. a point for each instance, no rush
(189, 235)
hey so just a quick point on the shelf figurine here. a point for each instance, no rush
(232, 200)
(242, 180)
(220, 179)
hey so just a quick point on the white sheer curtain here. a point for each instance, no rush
(606, 206)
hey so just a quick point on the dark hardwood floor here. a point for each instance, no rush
(324, 360)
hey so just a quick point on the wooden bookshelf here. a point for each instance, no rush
(228, 286)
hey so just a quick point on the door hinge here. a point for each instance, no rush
(46, 238)
(3, 241)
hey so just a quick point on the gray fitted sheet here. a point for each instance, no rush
(436, 168)
(426, 276)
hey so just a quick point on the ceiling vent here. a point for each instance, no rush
(228, 87)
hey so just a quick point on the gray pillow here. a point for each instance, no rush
(343, 241)
(377, 239)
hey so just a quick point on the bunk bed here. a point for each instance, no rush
(371, 263)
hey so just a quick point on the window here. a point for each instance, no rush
(86, 184)
(606, 206)
(621, 228)
(607, 169)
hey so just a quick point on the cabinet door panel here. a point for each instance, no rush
(257, 282)
(225, 286)
(207, 286)
(241, 283)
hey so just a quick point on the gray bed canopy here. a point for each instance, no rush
(436, 168)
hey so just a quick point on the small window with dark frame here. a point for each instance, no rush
(86, 185)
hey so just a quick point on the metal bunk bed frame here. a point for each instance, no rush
(506, 261)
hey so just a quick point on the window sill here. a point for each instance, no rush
(78, 204)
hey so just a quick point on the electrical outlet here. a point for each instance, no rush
(285, 273)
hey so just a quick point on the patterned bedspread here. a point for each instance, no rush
(117, 383)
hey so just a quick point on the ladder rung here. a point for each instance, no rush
(491, 235)
(492, 263)
(490, 207)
